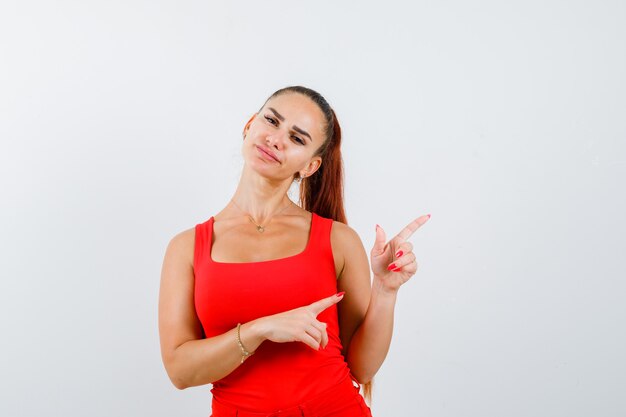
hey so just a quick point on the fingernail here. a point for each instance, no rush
(340, 294)
(399, 254)
(429, 216)
(396, 270)
(392, 266)
(377, 226)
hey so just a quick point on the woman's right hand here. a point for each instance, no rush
(300, 324)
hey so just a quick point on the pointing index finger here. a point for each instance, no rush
(410, 228)
(324, 303)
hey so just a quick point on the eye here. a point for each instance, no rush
(273, 121)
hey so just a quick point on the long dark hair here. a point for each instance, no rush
(322, 192)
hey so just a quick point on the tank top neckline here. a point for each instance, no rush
(306, 248)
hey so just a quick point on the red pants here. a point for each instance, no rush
(342, 400)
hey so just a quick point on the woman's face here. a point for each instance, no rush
(283, 136)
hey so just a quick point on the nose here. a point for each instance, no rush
(275, 140)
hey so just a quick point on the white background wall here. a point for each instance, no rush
(120, 125)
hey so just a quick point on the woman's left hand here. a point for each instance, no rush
(394, 263)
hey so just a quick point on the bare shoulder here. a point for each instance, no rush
(181, 245)
(344, 239)
(177, 270)
(343, 234)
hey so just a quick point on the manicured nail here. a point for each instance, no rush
(377, 226)
(399, 254)
(392, 266)
(429, 216)
(396, 270)
(340, 294)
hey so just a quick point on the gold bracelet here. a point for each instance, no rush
(244, 352)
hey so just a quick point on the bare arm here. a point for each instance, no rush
(365, 315)
(191, 360)
(368, 331)
(370, 344)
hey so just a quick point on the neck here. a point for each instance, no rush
(261, 197)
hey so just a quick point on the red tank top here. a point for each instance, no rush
(278, 375)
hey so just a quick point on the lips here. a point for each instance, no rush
(268, 153)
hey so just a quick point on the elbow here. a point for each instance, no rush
(362, 373)
(175, 371)
(184, 381)
(179, 383)
(363, 379)
(366, 380)
(362, 376)
(175, 377)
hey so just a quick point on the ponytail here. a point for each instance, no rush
(322, 192)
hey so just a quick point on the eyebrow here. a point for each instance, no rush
(296, 128)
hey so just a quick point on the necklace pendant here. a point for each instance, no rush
(261, 229)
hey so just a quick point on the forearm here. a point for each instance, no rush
(200, 362)
(370, 342)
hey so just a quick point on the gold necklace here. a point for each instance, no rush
(260, 228)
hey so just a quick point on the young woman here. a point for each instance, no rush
(272, 302)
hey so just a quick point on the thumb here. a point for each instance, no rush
(321, 305)
(379, 243)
